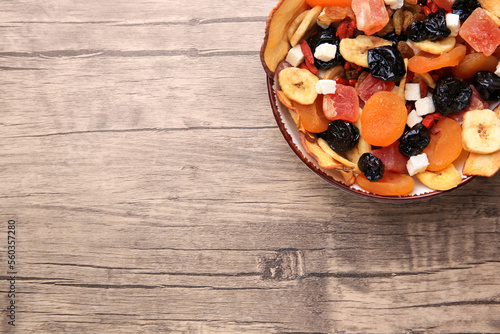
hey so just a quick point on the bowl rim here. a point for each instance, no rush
(277, 115)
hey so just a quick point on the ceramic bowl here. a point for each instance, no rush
(291, 134)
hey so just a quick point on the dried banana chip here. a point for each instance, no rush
(482, 164)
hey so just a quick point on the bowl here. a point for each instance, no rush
(291, 134)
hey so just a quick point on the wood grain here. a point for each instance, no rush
(154, 193)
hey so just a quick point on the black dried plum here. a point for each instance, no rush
(372, 167)
(341, 136)
(415, 140)
(464, 8)
(433, 27)
(395, 38)
(435, 24)
(416, 31)
(487, 84)
(325, 36)
(386, 63)
(451, 96)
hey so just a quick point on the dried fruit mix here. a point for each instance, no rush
(387, 90)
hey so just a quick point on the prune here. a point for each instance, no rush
(435, 24)
(416, 31)
(386, 63)
(487, 84)
(464, 8)
(451, 96)
(433, 27)
(415, 140)
(395, 38)
(371, 167)
(341, 136)
(325, 36)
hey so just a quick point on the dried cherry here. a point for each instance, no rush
(371, 167)
(341, 136)
(464, 8)
(415, 140)
(325, 36)
(451, 96)
(487, 84)
(386, 63)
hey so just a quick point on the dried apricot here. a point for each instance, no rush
(445, 146)
(383, 119)
(391, 184)
(473, 63)
(311, 116)
(425, 62)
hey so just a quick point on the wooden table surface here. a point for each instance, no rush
(152, 191)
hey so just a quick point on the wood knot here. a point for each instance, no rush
(283, 265)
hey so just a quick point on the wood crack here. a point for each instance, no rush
(194, 128)
(455, 303)
(189, 52)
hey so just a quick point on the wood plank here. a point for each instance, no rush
(154, 193)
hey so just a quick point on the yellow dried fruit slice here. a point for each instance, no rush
(295, 24)
(355, 50)
(323, 159)
(492, 6)
(349, 177)
(337, 157)
(495, 18)
(445, 179)
(275, 46)
(436, 47)
(482, 164)
(481, 131)
(306, 25)
(298, 85)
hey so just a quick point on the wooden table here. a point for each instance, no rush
(151, 191)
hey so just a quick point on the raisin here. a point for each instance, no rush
(432, 27)
(464, 8)
(341, 136)
(371, 167)
(386, 63)
(405, 49)
(415, 140)
(487, 84)
(451, 96)
(321, 37)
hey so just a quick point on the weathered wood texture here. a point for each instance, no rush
(153, 192)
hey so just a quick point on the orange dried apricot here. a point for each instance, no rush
(383, 118)
(311, 116)
(445, 146)
(473, 63)
(391, 184)
(425, 62)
